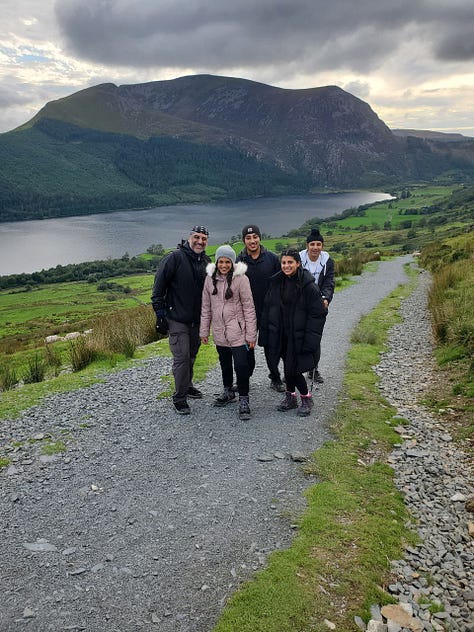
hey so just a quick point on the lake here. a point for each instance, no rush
(41, 244)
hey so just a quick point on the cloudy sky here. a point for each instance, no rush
(411, 60)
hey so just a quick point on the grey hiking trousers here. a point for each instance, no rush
(184, 344)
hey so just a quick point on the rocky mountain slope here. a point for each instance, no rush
(206, 137)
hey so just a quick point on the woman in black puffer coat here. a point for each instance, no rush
(292, 325)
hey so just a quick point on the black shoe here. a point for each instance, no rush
(307, 404)
(194, 393)
(315, 376)
(277, 386)
(182, 408)
(225, 398)
(289, 402)
(244, 408)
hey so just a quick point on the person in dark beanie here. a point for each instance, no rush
(262, 264)
(318, 262)
(291, 327)
(176, 299)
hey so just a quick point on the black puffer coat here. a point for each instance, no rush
(304, 318)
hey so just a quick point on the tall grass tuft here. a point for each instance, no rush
(354, 264)
(53, 358)
(8, 377)
(81, 353)
(123, 331)
(451, 302)
(35, 370)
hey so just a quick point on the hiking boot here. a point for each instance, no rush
(225, 398)
(182, 408)
(315, 376)
(244, 408)
(277, 385)
(306, 405)
(289, 402)
(194, 393)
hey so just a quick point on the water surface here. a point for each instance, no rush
(41, 244)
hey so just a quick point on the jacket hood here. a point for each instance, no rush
(240, 268)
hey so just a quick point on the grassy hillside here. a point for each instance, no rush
(56, 169)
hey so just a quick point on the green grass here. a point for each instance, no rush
(389, 210)
(355, 519)
(53, 447)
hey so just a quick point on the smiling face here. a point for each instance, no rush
(252, 244)
(314, 249)
(197, 242)
(289, 265)
(224, 265)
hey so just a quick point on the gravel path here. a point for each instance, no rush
(436, 478)
(149, 517)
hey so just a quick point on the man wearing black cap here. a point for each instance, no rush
(176, 299)
(261, 265)
(321, 266)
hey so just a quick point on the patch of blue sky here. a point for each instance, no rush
(28, 57)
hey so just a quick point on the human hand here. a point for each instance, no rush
(251, 345)
(162, 325)
(205, 340)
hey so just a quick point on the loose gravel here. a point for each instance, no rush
(152, 520)
(435, 580)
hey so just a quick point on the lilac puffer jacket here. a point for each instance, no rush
(233, 320)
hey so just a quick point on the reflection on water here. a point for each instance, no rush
(34, 245)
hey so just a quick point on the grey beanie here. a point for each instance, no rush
(225, 251)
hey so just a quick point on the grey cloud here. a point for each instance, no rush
(457, 46)
(16, 94)
(358, 88)
(314, 34)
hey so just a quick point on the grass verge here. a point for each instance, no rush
(355, 519)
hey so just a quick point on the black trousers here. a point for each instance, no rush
(274, 373)
(293, 379)
(235, 357)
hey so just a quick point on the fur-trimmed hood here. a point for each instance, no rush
(240, 268)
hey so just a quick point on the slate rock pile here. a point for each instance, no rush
(434, 583)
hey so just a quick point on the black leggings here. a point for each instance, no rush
(239, 356)
(293, 379)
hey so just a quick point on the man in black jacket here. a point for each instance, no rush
(262, 264)
(176, 299)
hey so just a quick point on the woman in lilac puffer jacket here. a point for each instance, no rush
(227, 307)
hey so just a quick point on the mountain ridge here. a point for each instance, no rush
(202, 137)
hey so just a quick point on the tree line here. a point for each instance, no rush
(91, 271)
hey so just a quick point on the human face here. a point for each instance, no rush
(224, 265)
(197, 242)
(314, 249)
(289, 265)
(252, 244)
